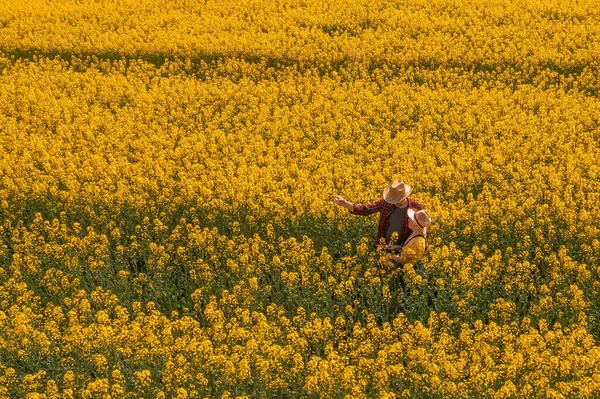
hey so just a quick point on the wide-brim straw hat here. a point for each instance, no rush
(396, 192)
(420, 218)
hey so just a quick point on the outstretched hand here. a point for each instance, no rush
(342, 202)
(339, 200)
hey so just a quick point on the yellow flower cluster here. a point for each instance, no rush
(167, 223)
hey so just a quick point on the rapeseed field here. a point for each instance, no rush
(167, 221)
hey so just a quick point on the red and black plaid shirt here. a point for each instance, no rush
(385, 210)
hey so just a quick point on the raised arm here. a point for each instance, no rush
(342, 202)
(362, 210)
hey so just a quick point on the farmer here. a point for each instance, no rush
(402, 222)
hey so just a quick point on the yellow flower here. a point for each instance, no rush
(142, 378)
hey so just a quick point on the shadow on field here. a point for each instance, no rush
(171, 286)
(202, 65)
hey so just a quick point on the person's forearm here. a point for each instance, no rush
(349, 205)
(364, 210)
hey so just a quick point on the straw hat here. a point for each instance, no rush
(396, 192)
(420, 218)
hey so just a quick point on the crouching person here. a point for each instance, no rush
(415, 245)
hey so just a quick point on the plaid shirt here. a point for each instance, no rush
(385, 210)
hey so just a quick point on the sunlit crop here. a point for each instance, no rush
(167, 175)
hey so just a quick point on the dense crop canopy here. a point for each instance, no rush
(167, 223)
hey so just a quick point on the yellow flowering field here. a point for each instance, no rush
(167, 222)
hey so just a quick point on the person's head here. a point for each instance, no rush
(397, 192)
(418, 221)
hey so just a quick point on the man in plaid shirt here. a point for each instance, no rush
(392, 210)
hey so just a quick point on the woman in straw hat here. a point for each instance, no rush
(415, 246)
(395, 227)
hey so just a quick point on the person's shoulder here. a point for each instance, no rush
(383, 203)
(413, 203)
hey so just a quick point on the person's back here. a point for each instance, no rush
(415, 246)
(412, 251)
(395, 229)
